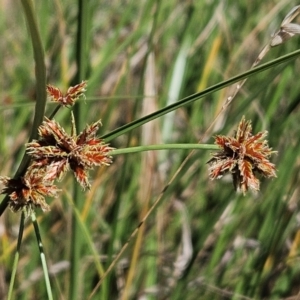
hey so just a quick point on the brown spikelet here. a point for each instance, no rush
(243, 155)
(58, 152)
(30, 190)
(69, 98)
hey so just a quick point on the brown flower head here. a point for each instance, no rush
(29, 191)
(243, 155)
(57, 151)
(69, 98)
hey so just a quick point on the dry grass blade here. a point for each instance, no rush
(287, 29)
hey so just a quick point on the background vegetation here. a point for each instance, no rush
(204, 240)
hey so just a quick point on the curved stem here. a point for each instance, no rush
(40, 75)
(41, 95)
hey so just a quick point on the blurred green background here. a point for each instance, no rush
(204, 240)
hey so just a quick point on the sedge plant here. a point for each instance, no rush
(53, 150)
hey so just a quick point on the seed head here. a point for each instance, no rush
(69, 98)
(29, 191)
(243, 155)
(58, 152)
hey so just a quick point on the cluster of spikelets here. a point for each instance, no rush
(244, 156)
(55, 153)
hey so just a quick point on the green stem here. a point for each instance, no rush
(42, 254)
(17, 255)
(56, 109)
(190, 99)
(79, 113)
(164, 147)
(41, 95)
(40, 75)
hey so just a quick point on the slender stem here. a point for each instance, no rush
(79, 112)
(163, 147)
(40, 75)
(42, 254)
(188, 100)
(41, 96)
(17, 255)
(240, 84)
(56, 109)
